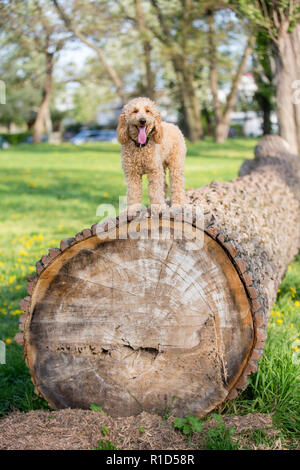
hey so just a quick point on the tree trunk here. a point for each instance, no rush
(266, 108)
(43, 112)
(295, 40)
(150, 77)
(222, 117)
(143, 323)
(221, 130)
(188, 99)
(287, 72)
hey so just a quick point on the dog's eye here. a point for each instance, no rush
(147, 110)
(135, 110)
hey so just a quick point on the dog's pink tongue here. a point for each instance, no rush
(142, 137)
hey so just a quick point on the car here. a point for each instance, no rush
(105, 135)
(3, 143)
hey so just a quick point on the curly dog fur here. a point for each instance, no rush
(164, 148)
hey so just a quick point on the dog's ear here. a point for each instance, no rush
(157, 130)
(122, 130)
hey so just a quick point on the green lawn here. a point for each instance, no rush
(49, 193)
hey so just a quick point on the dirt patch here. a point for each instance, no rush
(80, 429)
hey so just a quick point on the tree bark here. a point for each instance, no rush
(286, 42)
(189, 102)
(284, 77)
(295, 40)
(43, 112)
(142, 323)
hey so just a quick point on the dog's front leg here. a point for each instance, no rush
(156, 189)
(177, 186)
(134, 191)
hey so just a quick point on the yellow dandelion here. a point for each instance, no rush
(11, 279)
(277, 314)
(23, 253)
(1, 263)
(278, 290)
(293, 291)
(296, 348)
(31, 268)
(17, 312)
(279, 320)
(297, 303)
(18, 287)
(292, 325)
(8, 340)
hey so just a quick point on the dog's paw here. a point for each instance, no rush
(134, 209)
(158, 208)
(175, 210)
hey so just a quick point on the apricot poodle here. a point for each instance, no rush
(150, 146)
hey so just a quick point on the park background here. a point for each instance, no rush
(225, 72)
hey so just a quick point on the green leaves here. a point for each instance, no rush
(94, 407)
(188, 424)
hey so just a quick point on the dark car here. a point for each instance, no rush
(3, 143)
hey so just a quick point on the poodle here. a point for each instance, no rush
(150, 146)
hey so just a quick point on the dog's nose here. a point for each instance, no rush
(142, 121)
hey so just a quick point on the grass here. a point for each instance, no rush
(51, 192)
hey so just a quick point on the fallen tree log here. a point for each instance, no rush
(147, 323)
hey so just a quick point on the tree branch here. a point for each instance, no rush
(110, 70)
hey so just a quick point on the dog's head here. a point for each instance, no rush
(140, 118)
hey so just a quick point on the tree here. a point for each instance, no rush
(19, 74)
(175, 28)
(93, 37)
(222, 116)
(279, 20)
(38, 37)
(147, 48)
(263, 65)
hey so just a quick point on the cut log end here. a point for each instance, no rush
(145, 323)
(140, 325)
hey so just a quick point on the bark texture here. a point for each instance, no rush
(287, 75)
(144, 323)
(43, 115)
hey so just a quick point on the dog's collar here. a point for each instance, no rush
(137, 144)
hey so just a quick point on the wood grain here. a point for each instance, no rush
(139, 324)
